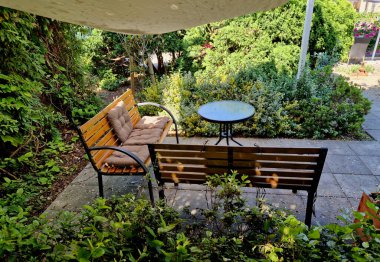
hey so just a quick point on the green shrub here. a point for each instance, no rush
(126, 228)
(319, 105)
(109, 81)
(41, 82)
(274, 35)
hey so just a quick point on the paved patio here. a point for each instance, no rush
(351, 167)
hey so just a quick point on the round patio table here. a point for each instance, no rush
(226, 113)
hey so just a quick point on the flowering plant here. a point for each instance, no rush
(365, 30)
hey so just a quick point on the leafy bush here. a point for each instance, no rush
(109, 81)
(272, 36)
(41, 82)
(319, 105)
(125, 228)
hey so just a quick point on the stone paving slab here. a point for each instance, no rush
(365, 148)
(372, 121)
(328, 208)
(373, 163)
(347, 164)
(354, 185)
(374, 133)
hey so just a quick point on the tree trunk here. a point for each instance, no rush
(160, 63)
(173, 58)
(150, 68)
(132, 73)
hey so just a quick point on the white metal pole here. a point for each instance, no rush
(305, 37)
(376, 45)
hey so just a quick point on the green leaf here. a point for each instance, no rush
(98, 252)
(100, 219)
(314, 234)
(20, 191)
(150, 231)
(166, 229)
(83, 254)
(157, 243)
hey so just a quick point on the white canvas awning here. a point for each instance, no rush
(141, 16)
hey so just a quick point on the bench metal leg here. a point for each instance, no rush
(151, 192)
(309, 207)
(100, 182)
(161, 193)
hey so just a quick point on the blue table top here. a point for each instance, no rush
(226, 111)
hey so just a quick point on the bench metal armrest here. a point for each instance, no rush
(165, 109)
(126, 152)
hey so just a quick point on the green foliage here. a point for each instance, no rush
(272, 36)
(41, 82)
(109, 81)
(32, 173)
(126, 228)
(319, 105)
(116, 50)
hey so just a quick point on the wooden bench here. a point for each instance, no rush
(267, 167)
(100, 140)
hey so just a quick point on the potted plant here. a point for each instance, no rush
(363, 33)
(370, 205)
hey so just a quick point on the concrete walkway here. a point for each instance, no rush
(351, 167)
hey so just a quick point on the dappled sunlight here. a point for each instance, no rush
(273, 181)
(175, 178)
(258, 172)
(180, 166)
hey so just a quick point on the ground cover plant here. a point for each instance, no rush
(129, 229)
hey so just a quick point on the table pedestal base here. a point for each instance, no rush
(225, 131)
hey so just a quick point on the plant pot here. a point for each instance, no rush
(358, 49)
(363, 207)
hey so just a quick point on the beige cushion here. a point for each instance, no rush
(152, 122)
(119, 159)
(143, 136)
(120, 121)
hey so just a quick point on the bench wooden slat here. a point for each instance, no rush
(256, 184)
(96, 128)
(279, 164)
(289, 150)
(187, 154)
(197, 161)
(241, 164)
(97, 136)
(304, 174)
(270, 180)
(237, 156)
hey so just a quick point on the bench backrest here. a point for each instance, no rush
(268, 167)
(98, 132)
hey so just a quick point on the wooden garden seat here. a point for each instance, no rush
(100, 141)
(266, 167)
